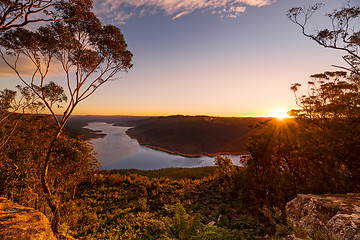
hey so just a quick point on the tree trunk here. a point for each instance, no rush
(50, 198)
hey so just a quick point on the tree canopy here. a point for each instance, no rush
(344, 34)
(19, 13)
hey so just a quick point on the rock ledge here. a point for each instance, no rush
(18, 222)
(336, 216)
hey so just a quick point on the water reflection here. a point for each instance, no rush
(118, 151)
(189, 162)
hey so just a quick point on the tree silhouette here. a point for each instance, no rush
(318, 150)
(344, 34)
(19, 13)
(331, 108)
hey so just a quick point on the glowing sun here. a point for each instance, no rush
(280, 114)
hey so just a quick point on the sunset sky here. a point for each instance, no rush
(208, 57)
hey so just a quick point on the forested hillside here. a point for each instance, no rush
(196, 135)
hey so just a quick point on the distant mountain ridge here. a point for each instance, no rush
(196, 135)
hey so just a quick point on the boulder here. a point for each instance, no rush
(18, 222)
(336, 216)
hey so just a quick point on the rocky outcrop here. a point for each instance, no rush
(333, 216)
(22, 223)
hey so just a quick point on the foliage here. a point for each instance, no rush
(274, 165)
(343, 34)
(90, 55)
(20, 166)
(173, 173)
(17, 14)
(329, 113)
(214, 233)
(149, 209)
(19, 157)
(120, 204)
(137, 207)
(317, 150)
(12, 109)
(226, 167)
(94, 52)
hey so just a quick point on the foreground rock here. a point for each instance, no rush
(332, 216)
(18, 222)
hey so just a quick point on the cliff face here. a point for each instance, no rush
(333, 216)
(18, 222)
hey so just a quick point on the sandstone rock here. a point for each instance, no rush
(335, 216)
(22, 223)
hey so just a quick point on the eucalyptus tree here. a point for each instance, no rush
(19, 13)
(343, 35)
(331, 108)
(89, 55)
(318, 150)
(329, 115)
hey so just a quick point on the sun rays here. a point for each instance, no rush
(280, 114)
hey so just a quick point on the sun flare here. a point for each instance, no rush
(280, 114)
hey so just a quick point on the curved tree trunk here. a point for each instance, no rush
(50, 198)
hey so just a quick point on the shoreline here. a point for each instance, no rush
(197, 155)
(97, 136)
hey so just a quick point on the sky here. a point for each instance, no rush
(233, 58)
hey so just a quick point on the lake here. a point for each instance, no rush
(118, 151)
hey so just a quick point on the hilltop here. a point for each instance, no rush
(196, 135)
